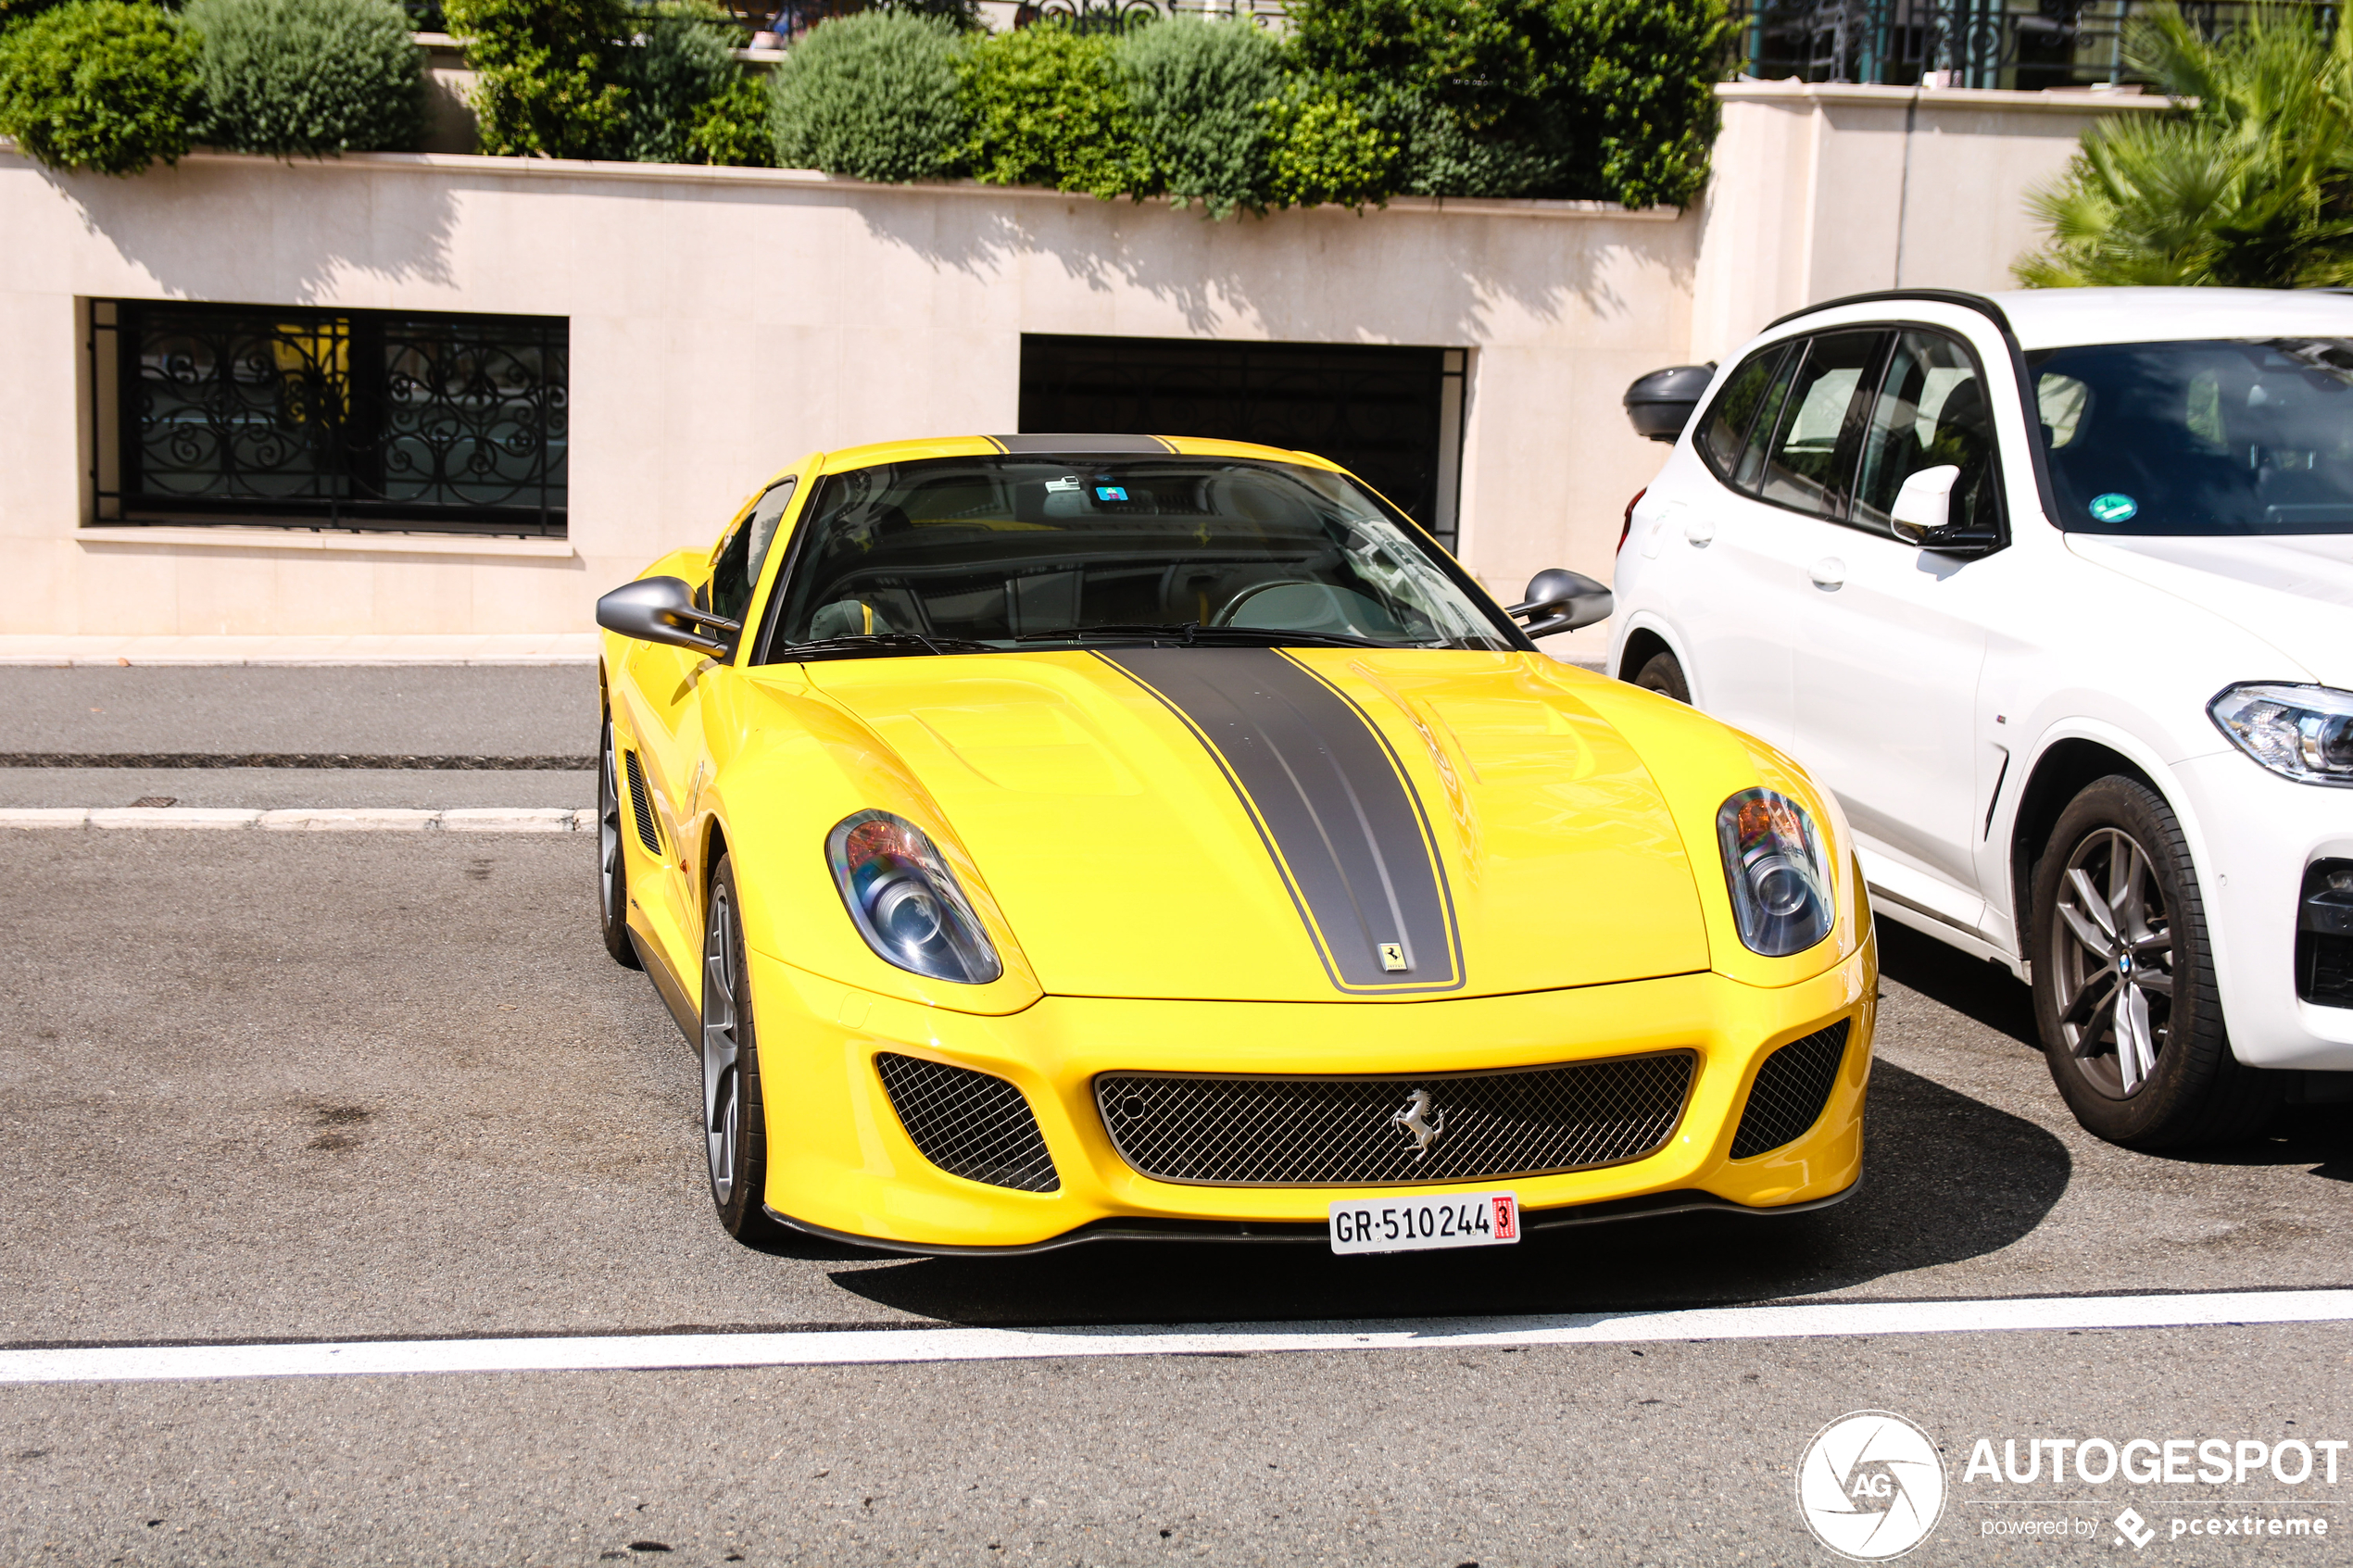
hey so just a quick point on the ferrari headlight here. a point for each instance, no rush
(2300, 732)
(905, 901)
(1778, 870)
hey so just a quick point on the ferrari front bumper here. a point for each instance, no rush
(842, 1164)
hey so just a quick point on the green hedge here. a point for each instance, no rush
(548, 74)
(100, 84)
(872, 96)
(1047, 109)
(307, 77)
(1202, 94)
(686, 100)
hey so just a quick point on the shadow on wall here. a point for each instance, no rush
(1317, 275)
(207, 231)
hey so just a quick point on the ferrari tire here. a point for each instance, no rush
(2126, 998)
(612, 862)
(1663, 673)
(734, 1123)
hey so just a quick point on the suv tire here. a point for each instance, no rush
(2124, 992)
(1663, 673)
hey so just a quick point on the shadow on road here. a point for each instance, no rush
(1986, 993)
(1946, 1178)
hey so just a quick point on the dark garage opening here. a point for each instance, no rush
(1392, 416)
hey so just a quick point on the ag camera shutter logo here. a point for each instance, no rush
(1871, 1485)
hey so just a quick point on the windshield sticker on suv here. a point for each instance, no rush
(2113, 507)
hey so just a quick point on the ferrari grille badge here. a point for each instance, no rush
(1393, 956)
(1421, 1121)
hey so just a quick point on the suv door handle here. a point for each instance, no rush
(1700, 531)
(1828, 573)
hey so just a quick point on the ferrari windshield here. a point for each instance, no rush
(2200, 438)
(971, 554)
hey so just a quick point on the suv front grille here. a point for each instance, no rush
(968, 1124)
(1790, 1091)
(2324, 935)
(1209, 1130)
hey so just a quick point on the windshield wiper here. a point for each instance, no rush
(882, 644)
(1193, 633)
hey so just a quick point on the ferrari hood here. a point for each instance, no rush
(1298, 825)
(2294, 592)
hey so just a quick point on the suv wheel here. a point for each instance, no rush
(1663, 673)
(2124, 992)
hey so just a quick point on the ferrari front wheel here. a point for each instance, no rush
(612, 869)
(735, 1127)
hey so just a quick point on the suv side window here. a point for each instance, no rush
(1725, 434)
(1810, 459)
(735, 570)
(1930, 410)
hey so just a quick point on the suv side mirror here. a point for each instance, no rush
(662, 609)
(1561, 600)
(1924, 505)
(1659, 405)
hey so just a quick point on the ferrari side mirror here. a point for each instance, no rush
(662, 609)
(1561, 600)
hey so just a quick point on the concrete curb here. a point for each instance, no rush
(307, 819)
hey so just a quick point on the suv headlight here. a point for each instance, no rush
(1778, 870)
(906, 902)
(2300, 732)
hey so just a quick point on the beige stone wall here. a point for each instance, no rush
(725, 320)
(1821, 191)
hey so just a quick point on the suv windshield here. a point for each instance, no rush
(969, 553)
(2213, 437)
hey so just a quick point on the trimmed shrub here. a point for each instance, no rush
(682, 64)
(1047, 109)
(1326, 149)
(1199, 91)
(550, 71)
(100, 84)
(872, 96)
(734, 127)
(308, 77)
(1608, 100)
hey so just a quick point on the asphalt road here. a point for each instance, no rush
(262, 1086)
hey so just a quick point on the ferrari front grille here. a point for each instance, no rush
(968, 1124)
(1394, 1129)
(1790, 1089)
(641, 804)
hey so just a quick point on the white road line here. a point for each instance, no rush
(309, 819)
(866, 1347)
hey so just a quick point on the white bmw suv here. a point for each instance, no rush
(2055, 590)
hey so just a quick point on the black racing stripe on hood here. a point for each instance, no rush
(1332, 803)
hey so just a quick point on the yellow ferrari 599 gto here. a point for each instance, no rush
(1051, 837)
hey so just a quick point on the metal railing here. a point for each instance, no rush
(2026, 45)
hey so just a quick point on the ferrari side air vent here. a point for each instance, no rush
(641, 803)
(969, 1124)
(1790, 1089)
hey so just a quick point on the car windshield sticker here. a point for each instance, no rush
(1336, 811)
(1068, 481)
(2113, 507)
(1111, 493)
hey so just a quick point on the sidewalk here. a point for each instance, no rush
(530, 647)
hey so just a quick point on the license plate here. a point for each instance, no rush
(1417, 1225)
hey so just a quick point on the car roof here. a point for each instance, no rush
(2066, 318)
(1052, 445)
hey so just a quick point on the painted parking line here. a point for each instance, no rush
(308, 818)
(869, 1347)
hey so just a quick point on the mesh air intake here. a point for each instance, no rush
(968, 1124)
(1790, 1089)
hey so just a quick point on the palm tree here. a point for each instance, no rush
(2249, 184)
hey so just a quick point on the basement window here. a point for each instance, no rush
(366, 420)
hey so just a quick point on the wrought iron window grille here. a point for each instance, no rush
(371, 420)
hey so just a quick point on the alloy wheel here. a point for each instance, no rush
(720, 1100)
(2112, 952)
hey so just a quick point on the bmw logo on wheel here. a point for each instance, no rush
(1871, 1485)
